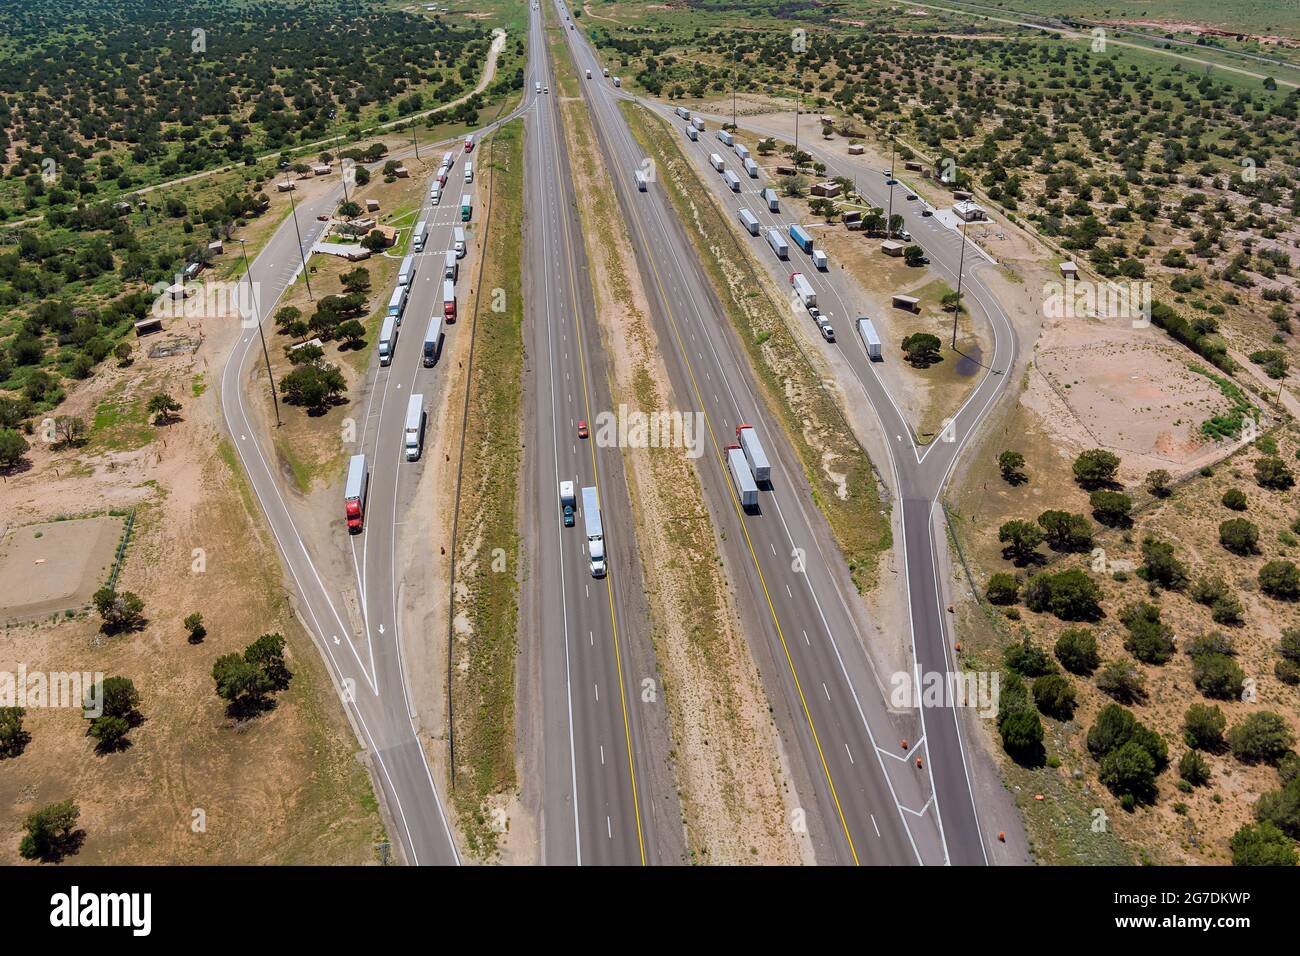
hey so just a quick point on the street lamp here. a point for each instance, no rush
(257, 312)
(961, 261)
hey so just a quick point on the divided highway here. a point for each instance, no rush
(865, 802)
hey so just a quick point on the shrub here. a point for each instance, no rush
(1272, 472)
(1160, 566)
(1203, 726)
(1149, 639)
(1281, 808)
(1217, 676)
(1095, 468)
(1003, 588)
(1130, 772)
(1280, 579)
(1235, 499)
(1071, 595)
(1064, 531)
(1020, 540)
(1262, 844)
(1239, 536)
(1055, 696)
(1262, 737)
(1116, 726)
(1194, 768)
(1111, 508)
(1123, 682)
(1028, 660)
(1076, 649)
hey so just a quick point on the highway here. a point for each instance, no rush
(920, 471)
(606, 790)
(864, 799)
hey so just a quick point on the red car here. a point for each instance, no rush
(582, 429)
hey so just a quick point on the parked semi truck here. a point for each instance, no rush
(466, 207)
(750, 221)
(754, 453)
(406, 271)
(751, 167)
(804, 289)
(458, 243)
(450, 266)
(387, 340)
(432, 341)
(802, 237)
(742, 151)
(354, 493)
(869, 338)
(397, 304)
(732, 181)
(726, 138)
(417, 237)
(413, 435)
(778, 244)
(568, 504)
(773, 202)
(746, 489)
(449, 300)
(715, 161)
(595, 533)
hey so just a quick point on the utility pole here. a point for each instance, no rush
(961, 261)
(415, 140)
(293, 206)
(257, 312)
(798, 107)
(733, 86)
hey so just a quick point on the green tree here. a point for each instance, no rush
(1095, 468)
(49, 832)
(1055, 696)
(1157, 483)
(13, 448)
(13, 738)
(1160, 566)
(1239, 536)
(1071, 595)
(1027, 659)
(1261, 737)
(1271, 472)
(195, 628)
(1234, 499)
(1194, 768)
(1203, 726)
(122, 352)
(1217, 675)
(1280, 579)
(1111, 508)
(1076, 649)
(351, 333)
(1003, 588)
(1012, 466)
(921, 349)
(1149, 639)
(1281, 808)
(1022, 735)
(1121, 681)
(119, 611)
(1020, 540)
(312, 386)
(1115, 726)
(163, 408)
(1065, 531)
(1129, 772)
(357, 280)
(349, 209)
(1262, 844)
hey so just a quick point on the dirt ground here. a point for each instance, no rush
(50, 567)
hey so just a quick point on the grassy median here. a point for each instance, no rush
(843, 482)
(485, 606)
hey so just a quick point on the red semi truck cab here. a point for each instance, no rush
(354, 493)
(469, 144)
(449, 300)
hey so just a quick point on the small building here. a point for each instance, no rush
(216, 247)
(827, 189)
(177, 290)
(1069, 270)
(401, 172)
(960, 194)
(285, 187)
(353, 252)
(827, 120)
(891, 248)
(969, 211)
(853, 219)
(362, 225)
(912, 165)
(321, 169)
(121, 208)
(372, 205)
(908, 303)
(147, 325)
(192, 270)
(857, 149)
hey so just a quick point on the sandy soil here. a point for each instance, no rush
(56, 565)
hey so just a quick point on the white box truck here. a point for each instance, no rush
(751, 167)
(469, 172)
(397, 304)
(770, 197)
(413, 434)
(742, 478)
(732, 181)
(432, 341)
(778, 244)
(417, 237)
(742, 151)
(387, 340)
(715, 161)
(803, 288)
(406, 271)
(568, 503)
(683, 112)
(618, 81)
(354, 493)
(458, 243)
(754, 453)
(595, 533)
(870, 339)
(640, 181)
(693, 134)
(450, 266)
(698, 123)
(820, 260)
(726, 138)
(750, 221)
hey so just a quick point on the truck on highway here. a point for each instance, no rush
(693, 134)
(802, 237)
(869, 338)
(589, 74)
(418, 236)
(387, 340)
(640, 180)
(683, 112)
(732, 181)
(778, 244)
(469, 172)
(698, 123)
(770, 197)
(537, 86)
(754, 453)
(469, 143)
(458, 242)
(397, 304)
(413, 433)
(750, 222)
(820, 260)
(726, 138)
(406, 271)
(354, 493)
(595, 533)
(751, 167)
(715, 161)
(448, 158)
(568, 503)
(450, 266)
(466, 207)
(618, 81)
(742, 151)
(803, 289)
(742, 478)
(432, 341)
(435, 194)
(606, 72)
(449, 300)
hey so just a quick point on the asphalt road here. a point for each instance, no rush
(864, 800)
(920, 471)
(606, 791)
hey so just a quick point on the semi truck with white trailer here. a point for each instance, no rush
(870, 339)
(407, 270)
(413, 434)
(641, 183)
(754, 453)
(397, 304)
(732, 181)
(354, 493)
(751, 167)
(726, 138)
(432, 341)
(715, 161)
(807, 295)
(693, 134)
(417, 237)
(387, 340)
(595, 532)
(458, 243)
(568, 503)
(450, 266)
(742, 478)
(742, 151)
(770, 197)
(698, 123)
(750, 222)
(820, 260)
(778, 244)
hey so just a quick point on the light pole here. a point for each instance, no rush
(257, 312)
(961, 261)
(733, 86)
(301, 255)
(889, 219)
(798, 107)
